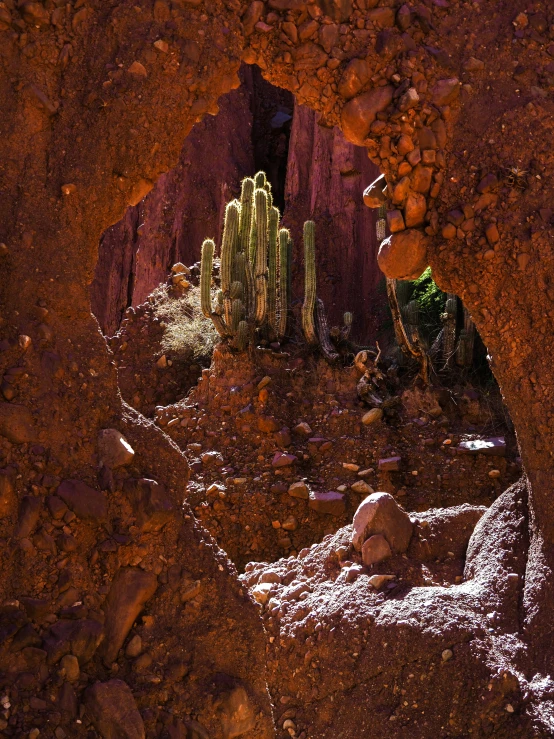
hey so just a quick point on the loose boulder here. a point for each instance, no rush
(113, 449)
(113, 710)
(360, 112)
(131, 588)
(403, 256)
(84, 501)
(379, 513)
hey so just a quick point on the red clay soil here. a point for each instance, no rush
(97, 101)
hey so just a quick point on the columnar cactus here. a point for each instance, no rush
(326, 347)
(381, 225)
(273, 269)
(246, 206)
(403, 292)
(259, 256)
(449, 318)
(285, 248)
(255, 268)
(208, 248)
(255, 275)
(347, 328)
(309, 284)
(466, 342)
(410, 313)
(228, 251)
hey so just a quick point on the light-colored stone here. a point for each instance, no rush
(299, 490)
(113, 449)
(303, 429)
(379, 580)
(134, 647)
(373, 416)
(379, 513)
(70, 664)
(261, 592)
(350, 466)
(375, 550)
(362, 488)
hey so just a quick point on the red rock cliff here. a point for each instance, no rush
(326, 176)
(324, 181)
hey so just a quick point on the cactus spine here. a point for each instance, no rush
(309, 284)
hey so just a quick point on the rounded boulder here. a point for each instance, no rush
(403, 256)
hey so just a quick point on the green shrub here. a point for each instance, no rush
(431, 303)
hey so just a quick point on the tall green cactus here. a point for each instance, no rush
(255, 269)
(228, 251)
(309, 284)
(246, 205)
(208, 248)
(284, 273)
(260, 261)
(272, 272)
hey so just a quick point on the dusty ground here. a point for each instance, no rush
(248, 408)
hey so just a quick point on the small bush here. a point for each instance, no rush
(188, 334)
(431, 302)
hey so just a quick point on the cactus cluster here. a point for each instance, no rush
(255, 276)
(254, 269)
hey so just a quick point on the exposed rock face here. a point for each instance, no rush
(325, 181)
(87, 129)
(186, 206)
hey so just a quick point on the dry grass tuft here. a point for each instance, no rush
(188, 334)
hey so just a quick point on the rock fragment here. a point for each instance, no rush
(113, 449)
(403, 256)
(113, 710)
(331, 503)
(130, 590)
(375, 550)
(16, 423)
(84, 501)
(379, 513)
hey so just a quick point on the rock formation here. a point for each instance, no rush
(454, 103)
(323, 180)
